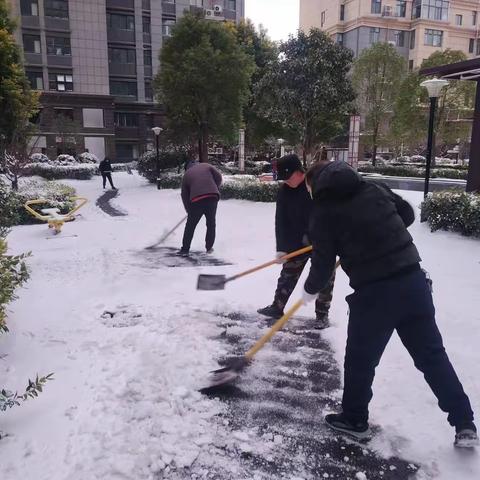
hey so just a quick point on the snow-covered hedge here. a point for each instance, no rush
(413, 171)
(147, 163)
(59, 172)
(124, 167)
(12, 210)
(39, 158)
(455, 211)
(87, 158)
(240, 187)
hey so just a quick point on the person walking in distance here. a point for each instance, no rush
(105, 168)
(365, 224)
(200, 195)
(294, 206)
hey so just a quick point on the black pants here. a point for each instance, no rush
(109, 176)
(288, 280)
(403, 304)
(207, 207)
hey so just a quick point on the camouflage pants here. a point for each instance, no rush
(288, 280)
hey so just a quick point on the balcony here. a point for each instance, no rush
(33, 58)
(123, 4)
(53, 23)
(30, 22)
(123, 69)
(59, 60)
(169, 8)
(147, 38)
(122, 36)
(148, 71)
(230, 15)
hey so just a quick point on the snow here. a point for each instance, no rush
(131, 342)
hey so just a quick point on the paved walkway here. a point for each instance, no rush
(103, 203)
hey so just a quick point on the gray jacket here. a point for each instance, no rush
(200, 179)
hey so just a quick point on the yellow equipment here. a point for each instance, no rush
(52, 216)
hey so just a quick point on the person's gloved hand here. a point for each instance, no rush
(308, 297)
(279, 256)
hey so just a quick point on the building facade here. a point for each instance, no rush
(94, 61)
(417, 28)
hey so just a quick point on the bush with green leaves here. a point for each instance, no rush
(240, 187)
(84, 171)
(453, 210)
(147, 163)
(12, 210)
(414, 171)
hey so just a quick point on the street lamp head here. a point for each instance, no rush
(434, 86)
(281, 141)
(157, 130)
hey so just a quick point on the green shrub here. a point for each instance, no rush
(12, 210)
(147, 164)
(240, 187)
(455, 211)
(415, 171)
(61, 172)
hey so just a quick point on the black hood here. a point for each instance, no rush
(336, 180)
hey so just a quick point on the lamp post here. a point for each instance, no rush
(281, 141)
(157, 131)
(434, 88)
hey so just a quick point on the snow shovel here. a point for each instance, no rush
(155, 245)
(218, 282)
(236, 365)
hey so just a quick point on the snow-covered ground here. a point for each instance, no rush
(124, 403)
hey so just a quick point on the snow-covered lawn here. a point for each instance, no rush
(124, 403)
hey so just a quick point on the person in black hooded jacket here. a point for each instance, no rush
(292, 218)
(365, 224)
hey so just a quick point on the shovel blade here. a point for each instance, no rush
(230, 372)
(211, 282)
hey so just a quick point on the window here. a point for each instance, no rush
(401, 10)
(146, 4)
(474, 18)
(340, 38)
(63, 113)
(147, 58)
(167, 26)
(342, 13)
(117, 21)
(93, 117)
(433, 38)
(458, 20)
(431, 9)
(148, 91)
(232, 5)
(61, 82)
(29, 8)
(31, 44)
(322, 20)
(126, 151)
(56, 8)
(35, 78)
(128, 120)
(146, 25)
(196, 3)
(123, 88)
(374, 35)
(471, 45)
(399, 36)
(121, 55)
(376, 6)
(412, 39)
(58, 46)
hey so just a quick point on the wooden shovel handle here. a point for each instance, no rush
(272, 262)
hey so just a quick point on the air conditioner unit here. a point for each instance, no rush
(211, 151)
(217, 9)
(219, 151)
(387, 11)
(392, 43)
(209, 13)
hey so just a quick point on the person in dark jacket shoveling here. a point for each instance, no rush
(292, 217)
(365, 224)
(200, 195)
(105, 168)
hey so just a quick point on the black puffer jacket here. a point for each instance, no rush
(364, 223)
(292, 218)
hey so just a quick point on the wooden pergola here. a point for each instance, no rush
(467, 70)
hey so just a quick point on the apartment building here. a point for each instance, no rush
(95, 61)
(416, 28)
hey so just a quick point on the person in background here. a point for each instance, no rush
(105, 168)
(365, 224)
(292, 217)
(200, 196)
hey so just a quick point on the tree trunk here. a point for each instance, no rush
(203, 143)
(374, 154)
(304, 155)
(15, 183)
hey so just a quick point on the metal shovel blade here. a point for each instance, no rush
(211, 282)
(230, 372)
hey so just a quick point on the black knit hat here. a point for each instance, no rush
(287, 166)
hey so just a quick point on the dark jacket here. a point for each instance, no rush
(105, 166)
(364, 223)
(200, 179)
(292, 218)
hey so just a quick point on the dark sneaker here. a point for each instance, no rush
(466, 436)
(322, 321)
(210, 250)
(271, 311)
(183, 253)
(338, 422)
